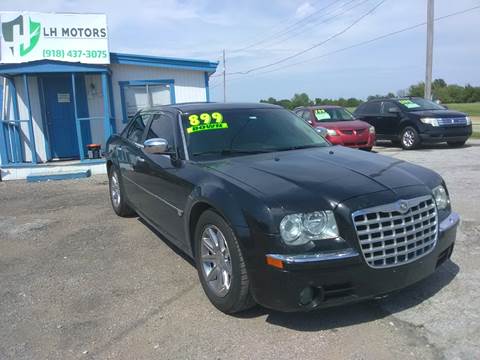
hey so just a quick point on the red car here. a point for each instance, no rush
(341, 126)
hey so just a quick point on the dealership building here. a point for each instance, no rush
(60, 96)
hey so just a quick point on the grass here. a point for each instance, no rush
(472, 109)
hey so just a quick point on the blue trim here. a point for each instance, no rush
(62, 176)
(165, 62)
(49, 66)
(33, 148)
(107, 125)
(54, 164)
(112, 106)
(46, 135)
(17, 156)
(207, 88)
(77, 122)
(124, 84)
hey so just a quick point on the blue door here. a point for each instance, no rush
(60, 116)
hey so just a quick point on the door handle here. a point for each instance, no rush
(140, 159)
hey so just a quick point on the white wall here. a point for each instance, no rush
(36, 116)
(189, 85)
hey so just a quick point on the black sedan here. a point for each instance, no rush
(272, 213)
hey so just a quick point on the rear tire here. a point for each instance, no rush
(117, 195)
(409, 138)
(220, 264)
(456, 143)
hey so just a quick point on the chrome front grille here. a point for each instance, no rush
(397, 233)
(459, 121)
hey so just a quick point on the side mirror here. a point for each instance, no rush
(156, 146)
(445, 107)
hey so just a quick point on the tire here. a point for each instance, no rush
(217, 251)
(409, 138)
(117, 197)
(456, 143)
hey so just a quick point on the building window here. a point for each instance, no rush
(140, 94)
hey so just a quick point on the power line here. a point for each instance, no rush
(286, 28)
(356, 21)
(381, 37)
(317, 21)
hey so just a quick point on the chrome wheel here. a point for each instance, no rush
(115, 190)
(216, 261)
(408, 138)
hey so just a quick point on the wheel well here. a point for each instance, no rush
(195, 214)
(109, 166)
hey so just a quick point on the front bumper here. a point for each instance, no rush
(353, 141)
(441, 134)
(322, 280)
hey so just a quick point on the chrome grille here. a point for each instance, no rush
(397, 233)
(459, 121)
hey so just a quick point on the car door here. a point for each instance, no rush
(371, 115)
(161, 179)
(390, 120)
(129, 155)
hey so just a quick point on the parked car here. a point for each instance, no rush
(412, 121)
(272, 213)
(342, 127)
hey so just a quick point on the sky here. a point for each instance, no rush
(257, 33)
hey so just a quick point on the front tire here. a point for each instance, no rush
(117, 197)
(220, 264)
(409, 138)
(456, 143)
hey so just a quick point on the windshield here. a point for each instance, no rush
(333, 114)
(419, 104)
(233, 132)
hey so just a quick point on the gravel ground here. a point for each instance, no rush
(78, 282)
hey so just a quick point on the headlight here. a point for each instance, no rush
(299, 229)
(332, 132)
(371, 130)
(430, 121)
(469, 121)
(441, 197)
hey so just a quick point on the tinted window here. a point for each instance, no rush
(162, 127)
(136, 129)
(387, 105)
(371, 108)
(419, 104)
(239, 131)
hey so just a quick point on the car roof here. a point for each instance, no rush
(211, 106)
(394, 99)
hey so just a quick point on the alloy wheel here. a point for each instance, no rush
(408, 138)
(115, 190)
(216, 261)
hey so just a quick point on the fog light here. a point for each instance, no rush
(306, 296)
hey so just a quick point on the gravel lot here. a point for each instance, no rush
(78, 282)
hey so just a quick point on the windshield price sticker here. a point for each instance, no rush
(409, 104)
(321, 114)
(206, 121)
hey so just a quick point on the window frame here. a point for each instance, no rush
(143, 83)
(127, 129)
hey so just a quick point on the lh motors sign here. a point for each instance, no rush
(29, 36)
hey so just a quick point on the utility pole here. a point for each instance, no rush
(428, 73)
(224, 82)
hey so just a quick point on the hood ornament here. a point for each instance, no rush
(403, 206)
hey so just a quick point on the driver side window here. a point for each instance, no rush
(135, 132)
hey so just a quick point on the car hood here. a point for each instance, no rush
(323, 177)
(344, 125)
(439, 113)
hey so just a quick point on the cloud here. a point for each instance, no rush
(304, 10)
